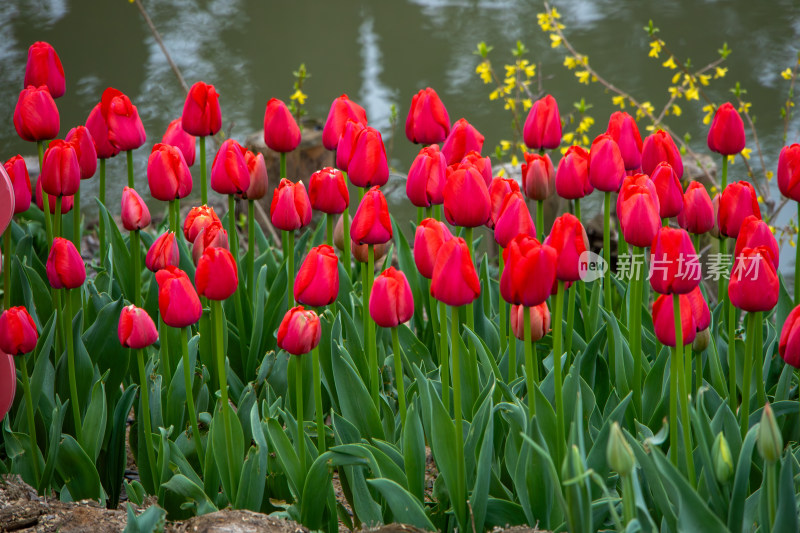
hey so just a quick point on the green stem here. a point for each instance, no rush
(557, 369)
(171, 216)
(318, 400)
(758, 357)
(531, 367)
(251, 248)
(101, 228)
(578, 209)
(188, 371)
(744, 410)
(724, 180)
(398, 377)
(45, 198)
(459, 424)
(216, 311)
(129, 157)
(570, 319)
(628, 498)
(57, 221)
(797, 261)
(684, 396)
(26, 388)
(607, 251)
(283, 165)
(370, 332)
(73, 384)
(301, 433)
(290, 267)
(203, 172)
(420, 214)
(731, 312)
(233, 235)
(772, 494)
(434, 318)
(472, 362)
(635, 331)
(503, 312)
(76, 219)
(144, 392)
(7, 269)
(177, 229)
(165, 363)
(346, 258)
(540, 219)
(444, 357)
(429, 212)
(329, 229)
(136, 258)
(237, 295)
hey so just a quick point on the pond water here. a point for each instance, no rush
(382, 52)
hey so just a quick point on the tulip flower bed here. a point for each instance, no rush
(547, 389)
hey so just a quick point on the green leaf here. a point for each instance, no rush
(479, 498)
(405, 508)
(413, 440)
(354, 398)
(254, 471)
(115, 460)
(287, 456)
(181, 485)
(78, 471)
(230, 473)
(94, 425)
(57, 421)
(152, 520)
(739, 491)
(786, 514)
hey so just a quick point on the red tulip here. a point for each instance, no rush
(660, 147)
(789, 344)
(499, 188)
(664, 320)
(229, 172)
(176, 136)
(201, 114)
(259, 181)
(342, 109)
(136, 329)
(538, 177)
(789, 172)
(726, 135)
(66, 201)
(700, 311)
(327, 190)
(300, 331)
(475, 160)
(391, 302)
(98, 128)
(572, 176)
(738, 201)
(178, 302)
(163, 253)
(426, 177)
(198, 218)
(669, 189)
(367, 166)
(755, 232)
(347, 143)
(463, 138)
(36, 115)
(317, 281)
(212, 236)
(18, 173)
(568, 238)
(8, 383)
(61, 172)
(281, 132)
(65, 268)
(540, 321)
(543, 126)
(427, 121)
(134, 213)
(638, 210)
(527, 260)
(167, 173)
(674, 265)
(82, 141)
(455, 281)
(44, 68)
(466, 199)
(372, 223)
(125, 128)
(429, 238)
(623, 129)
(514, 219)
(18, 334)
(697, 215)
(290, 208)
(216, 276)
(606, 166)
(754, 281)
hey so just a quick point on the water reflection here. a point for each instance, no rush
(374, 95)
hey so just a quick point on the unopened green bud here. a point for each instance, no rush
(770, 441)
(723, 462)
(701, 341)
(618, 452)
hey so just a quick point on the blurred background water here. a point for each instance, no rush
(381, 52)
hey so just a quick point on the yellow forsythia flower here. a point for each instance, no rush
(655, 47)
(787, 74)
(583, 76)
(704, 79)
(619, 101)
(555, 40)
(670, 63)
(692, 93)
(299, 96)
(720, 72)
(676, 110)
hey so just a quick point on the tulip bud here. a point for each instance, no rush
(669, 190)
(216, 276)
(163, 253)
(134, 212)
(540, 321)
(525, 260)
(755, 232)
(700, 311)
(789, 344)
(327, 191)
(125, 128)
(300, 331)
(176, 136)
(463, 138)
(619, 454)
(259, 181)
(178, 303)
(499, 189)
(542, 130)
(606, 167)
(638, 210)
(281, 132)
(198, 218)
(429, 238)
(664, 320)
(701, 341)
(201, 114)
(61, 173)
(789, 172)
(44, 68)
(367, 166)
(98, 128)
(514, 219)
(167, 173)
(372, 223)
(36, 115)
(317, 282)
(347, 143)
(572, 176)
(65, 268)
(427, 121)
(361, 251)
(697, 215)
(290, 208)
(754, 283)
(426, 177)
(455, 281)
(136, 329)
(66, 201)
(538, 177)
(229, 172)
(391, 302)
(623, 129)
(770, 441)
(723, 461)
(18, 334)
(568, 238)
(8, 383)
(714, 231)
(342, 110)
(737, 202)
(726, 135)
(660, 147)
(81, 140)
(212, 236)
(18, 174)
(674, 265)
(466, 199)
